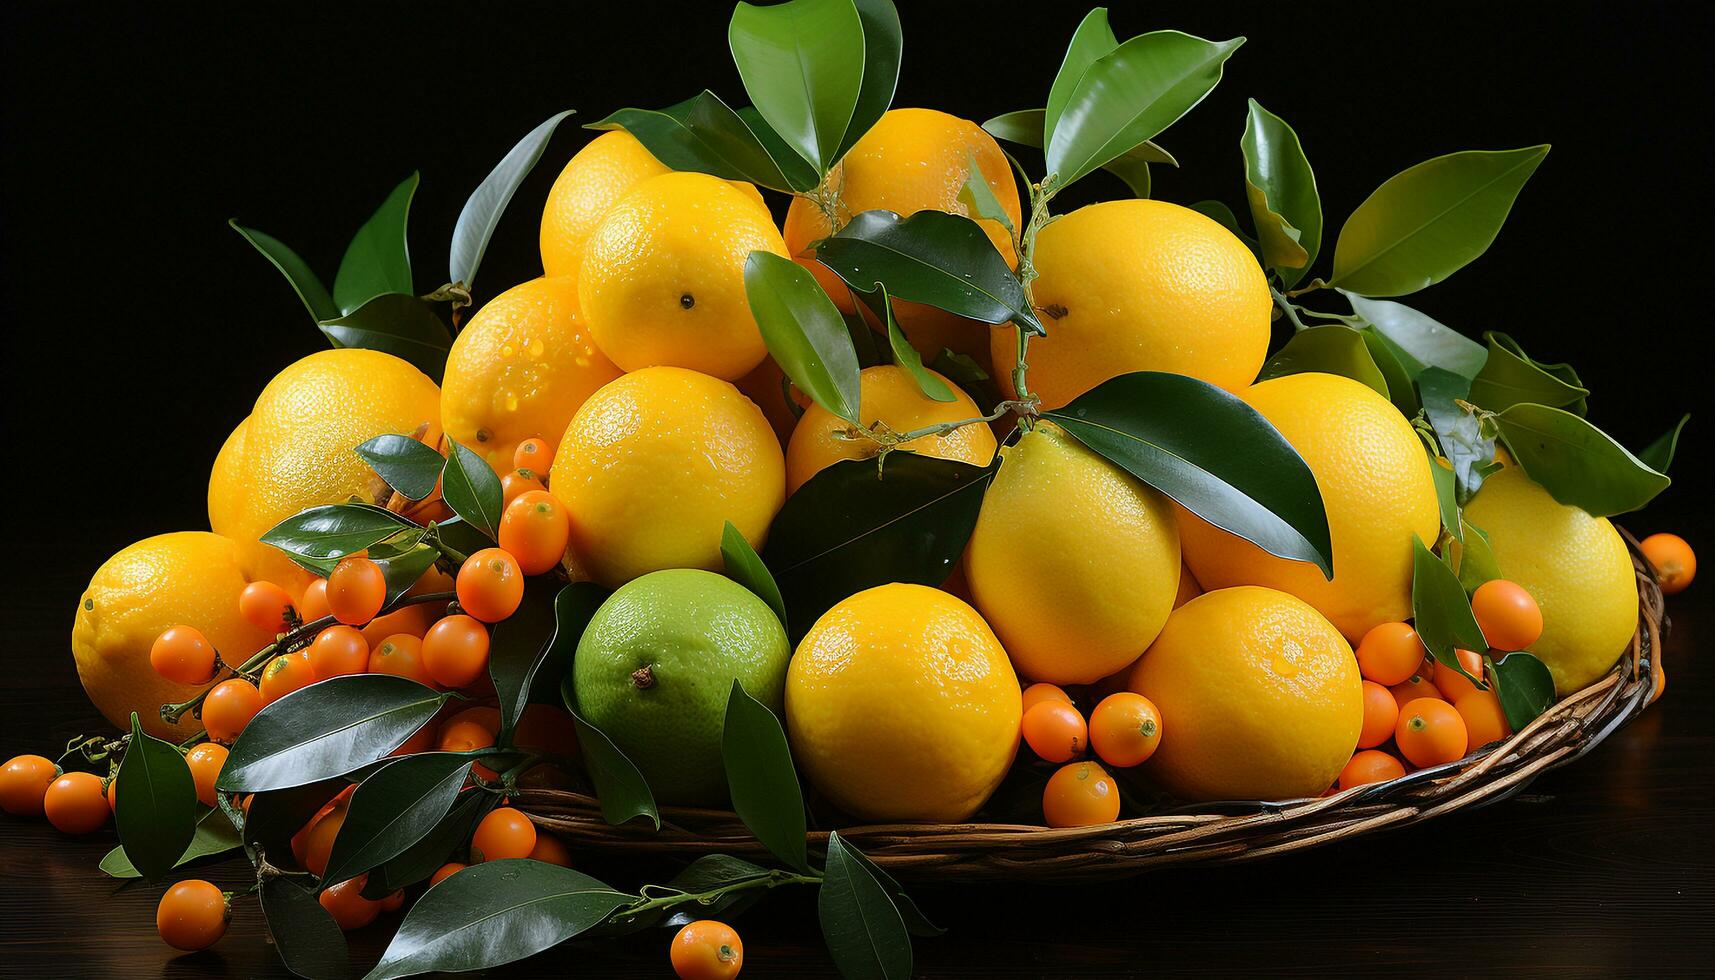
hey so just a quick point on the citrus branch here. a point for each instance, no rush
(773, 879)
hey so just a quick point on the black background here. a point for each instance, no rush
(138, 328)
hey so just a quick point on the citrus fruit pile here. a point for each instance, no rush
(828, 499)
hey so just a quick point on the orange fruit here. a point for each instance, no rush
(1430, 732)
(192, 915)
(1381, 711)
(706, 950)
(1080, 795)
(23, 782)
(1673, 559)
(1390, 653)
(1055, 731)
(1370, 766)
(1509, 616)
(1414, 687)
(1125, 729)
(1484, 720)
(76, 803)
(1452, 684)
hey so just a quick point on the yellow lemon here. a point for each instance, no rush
(296, 450)
(1140, 286)
(1073, 561)
(593, 181)
(519, 369)
(187, 578)
(654, 464)
(1260, 697)
(1376, 487)
(663, 276)
(902, 706)
(1574, 565)
(888, 394)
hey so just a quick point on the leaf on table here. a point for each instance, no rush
(156, 811)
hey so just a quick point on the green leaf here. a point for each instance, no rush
(619, 785)
(404, 569)
(905, 355)
(400, 324)
(1092, 40)
(1281, 189)
(944, 260)
(310, 942)
(422, 859)
(916, 922)
(471, 488)
(1477, 562)
(274, 816)
(802, 64)
(1524, 686)
(1212, 453)
(1510, 378)
(393, 809)
(459, 535)
(1327, 350)
(1446, 493)
(156, 815)
(707, 873)
(482, 210)
(1457, 429)
(409, 467)
(327, 729)
(1025, 127)
(804, 331)
(851, 527)
(865, 934)
(1658, 455)
(977, 195)
(332, 531)
(705, 135)
(1390, 361)
(298, 273)
(882, 44)
(1577, 463)
(962, 369)
(214, 835)
(744, 566)
(1426, 342)
(1440, 611)
(377, 260)
(1224, 216)
(1429, 221)
(1130, 95)
(532, 648)
(764, 784)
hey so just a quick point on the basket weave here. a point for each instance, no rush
(1224, 832)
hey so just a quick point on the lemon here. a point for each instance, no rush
(1376, 488)
(297, 448)
(901, 705)
(662, 281)
(1140, 286)
(1259, 694)
(888, 394)
(654, 464)
(188, 578)
(1073, 561)
(655, 667)
(1574, 565)
(519, 369)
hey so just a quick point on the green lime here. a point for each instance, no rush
(655, 667)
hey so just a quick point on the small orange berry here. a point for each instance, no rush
(184, 655)
(1381, 711)
(1417, 686)
(1484, 719)
(1390, 653)
(534, 455)
(1370, 766)
(315, 604)
(345, 902)
(1430, 732)
(23, 782)
(356, 589)
(504, 833)
(205, 761)
(1055, 731)
(455, 651)
(549, 850)
(486, 716)
(1043, 692)
(266, 606)
(534, 529)
(445, 871)
(229, 707)
(76, 803)
(393, 902)
(706, 950)
(464, 736)
(1125, 729)
(402, 656)
(517, 483)
(318, 843)
(1509, 616)
(1079, 795)
(490, 585)
(192, 915)
(1454, 685)
(337, 651)
(1675, 563)
(284, 674)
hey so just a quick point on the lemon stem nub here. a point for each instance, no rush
(643, 678)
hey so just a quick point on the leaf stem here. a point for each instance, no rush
(773, 879)
(888, 439)
(447, 551)
(1286, 307)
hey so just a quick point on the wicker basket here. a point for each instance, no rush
(1224, 832)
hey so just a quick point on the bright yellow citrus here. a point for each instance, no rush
(1376, 488)
(297, 448)
(1260, 697)
(913, 160)
(187, 578)
(654, 464)
(1574, 565)
(902, 706)
(519, 369)
(593, 181)
(1140, 286)
(663, 276)
(889, 394)
(1073, 561)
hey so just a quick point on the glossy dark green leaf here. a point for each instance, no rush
(1390, 361)
(943, 260)
(707, 873)
(1224, 215)
(1327, 350)
(802, 64)
(799, 173)
(409, 467)
(863, 929)
(378, 260)
(400, 324)
(804, 331)
(1212, 453)
(882, 44)
(1446, 493)
(705, 135)
(905, 355)
(1281, 189)
(916, 922)
(760, 774)
(327, 729)
(1524, 686)
(1509, 378)
(404, 566)
(274, 816)
(1428, 343)
(214, 836)
(1440, 611)
(1658, 455)
(1575, 395)
(310, 943)
(156, 812)
(332, 531)
(1477, 562)
(495, 913)
(422, 859)
(393, 809)
(1024, 127)
(482, 210)
(1092, 40)
(531, 649)
(1457, 429)
(977, 195)
(1577, 463)
(744, 566)
(619, 785)
(457, 534)
(964, 371)
(851, 527)
(1429, 221)
(298, 273)
(866, 341)
(471, 488)
(1130, 95)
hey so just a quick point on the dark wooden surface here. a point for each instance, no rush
(1602, 868)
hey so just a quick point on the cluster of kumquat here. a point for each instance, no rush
(1123, 731)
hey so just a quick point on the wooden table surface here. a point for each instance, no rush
(1602, 868)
